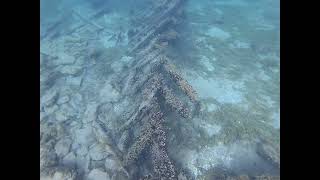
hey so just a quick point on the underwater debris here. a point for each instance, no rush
(156, 23)
(174, 103)
(65, 173)
(169, 35)
(266, 177)
(143, 140)
(162, 165)
(145, 129)
(269, 151)
(152, 101)
(87, 20)
(151, 80)
(131, 33)
(161, 45)
(182, 83)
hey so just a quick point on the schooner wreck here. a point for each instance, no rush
(152, 82)
(154, 89)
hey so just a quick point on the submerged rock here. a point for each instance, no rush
(97, 152)
(90, 113)
(63, 59)
(120, 64)
(50, 97)
(70, 69)
(270, 152)
(96, 164)
(48, 131)
(119, 175)
(65, 174)
(47, 158)
(51, 109)
(83, 164)
(73, 81)
(97, 174)
(81, 150)
(181, 176)
(112, 164)
(218, 33)
(209, 129)
(108, 93)
(84, 136)
(69, 160)
(63, 99)
(63, 146)
(61, 117)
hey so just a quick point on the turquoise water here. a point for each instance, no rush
(228, 51)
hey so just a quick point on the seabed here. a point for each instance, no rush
(227, 50)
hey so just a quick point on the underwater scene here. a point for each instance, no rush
(159, 89)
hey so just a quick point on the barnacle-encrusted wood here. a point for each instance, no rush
(153, 83)
(161, 17)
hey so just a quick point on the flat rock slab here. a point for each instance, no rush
(98, 152)
(90, 113)
(112, 164)
(70, 69)
(107, 93)
(69, 159)
(49, 98)
(63, 146)
(97, 174)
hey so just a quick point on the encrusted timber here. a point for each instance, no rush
(160, 23)
(154, 85)
(162, 165)
(148, 103)
(157, 16)
(180, 81)
(144, 109)
(154, 82)
(145, 138)
(174, 103)
(139, 145)
(137, 79)
(149, 35)
(106, 138)
(87, 20)
(105, 135)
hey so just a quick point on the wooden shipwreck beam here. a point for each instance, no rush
(152, 82)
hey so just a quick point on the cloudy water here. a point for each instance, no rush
(159, 89)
